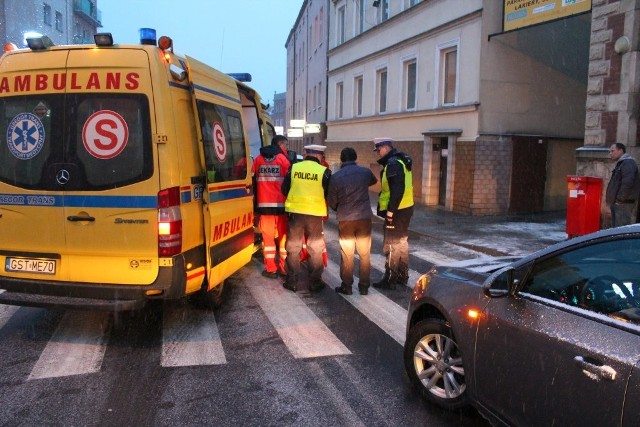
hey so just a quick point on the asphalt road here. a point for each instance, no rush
(267, 357)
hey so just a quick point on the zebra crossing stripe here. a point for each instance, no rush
(190, 337)
(379, 309)
(299, 328)
(76, 347)
(6, 311)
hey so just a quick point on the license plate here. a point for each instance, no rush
(30, 265)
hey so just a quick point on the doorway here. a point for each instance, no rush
(442, 185)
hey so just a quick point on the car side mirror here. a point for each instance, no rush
(500, 284)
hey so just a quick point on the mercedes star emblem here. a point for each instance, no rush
(62, 176)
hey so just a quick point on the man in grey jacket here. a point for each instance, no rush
(348, 195)
(624, 186)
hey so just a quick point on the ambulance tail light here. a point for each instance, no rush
(169, 222)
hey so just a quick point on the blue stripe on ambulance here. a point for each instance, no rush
(144, 202)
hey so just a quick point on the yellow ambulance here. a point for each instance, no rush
(125, 174)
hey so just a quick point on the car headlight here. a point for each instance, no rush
(420, 287)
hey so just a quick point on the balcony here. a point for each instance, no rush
(87, 9)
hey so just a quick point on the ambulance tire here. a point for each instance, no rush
(212, 299)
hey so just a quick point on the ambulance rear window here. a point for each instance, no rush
(75, 142)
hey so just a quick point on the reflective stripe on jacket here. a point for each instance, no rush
(268, 176)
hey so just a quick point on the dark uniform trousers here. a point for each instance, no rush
(396, 246)
(299, 226)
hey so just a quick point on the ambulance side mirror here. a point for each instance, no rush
(293, 156)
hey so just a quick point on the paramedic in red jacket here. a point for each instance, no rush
(269, 170)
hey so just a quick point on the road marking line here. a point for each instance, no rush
(304, 334)
(379, 259)
(379, 309)
(190, 337)
(6, 311)
(76, 347)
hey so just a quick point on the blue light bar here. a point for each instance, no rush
(147, 36)
(241, 77)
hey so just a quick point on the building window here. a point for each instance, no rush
(321, 24)
(47, 14)
(449, 75)
(414, 2)
(383, 10)
(319, 95)
(357, 95)
(341, 26)
(361, 15)
(339, 100)
(410, 68)
(315, 97)
(381, 88)
(59, 21)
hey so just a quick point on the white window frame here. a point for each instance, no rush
(361, 15)
(358, 95)
(340, 100)
(383, 11)
(406, 62)
(379, 92)
(341, 21)
(442, 50)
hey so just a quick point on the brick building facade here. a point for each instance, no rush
(613, 99)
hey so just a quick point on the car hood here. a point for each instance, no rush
(485, 265)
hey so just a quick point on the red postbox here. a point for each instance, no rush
(584, 196)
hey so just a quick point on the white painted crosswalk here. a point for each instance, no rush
(190, 336)
(76, 347)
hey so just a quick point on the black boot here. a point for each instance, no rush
(344, 289)
(385, 282)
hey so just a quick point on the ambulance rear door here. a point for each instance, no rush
(228, 196)
(31, 215)
(110, 196)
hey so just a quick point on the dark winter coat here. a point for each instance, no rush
(624, 185)
(349, 192)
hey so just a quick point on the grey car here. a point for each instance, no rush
(550, 339)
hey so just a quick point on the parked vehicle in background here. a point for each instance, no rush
(124, 174)
(551, 339)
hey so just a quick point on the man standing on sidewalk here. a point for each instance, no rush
(349, 196)
(624, 186)
(269, 170)
(396, 207)
(306, 187)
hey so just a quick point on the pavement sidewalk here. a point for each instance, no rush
(494, 235)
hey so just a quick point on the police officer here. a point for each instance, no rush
(306, 187)
(269, 170)
(396, 207)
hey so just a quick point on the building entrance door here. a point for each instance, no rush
(444, 155)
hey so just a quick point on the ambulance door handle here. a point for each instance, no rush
(76, 218)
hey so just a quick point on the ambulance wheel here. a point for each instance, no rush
(213, 298)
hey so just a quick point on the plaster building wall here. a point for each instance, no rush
(510, 96)
(306, 71)
(63, 21)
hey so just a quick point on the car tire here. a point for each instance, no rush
(434, 365)
(211, 299)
